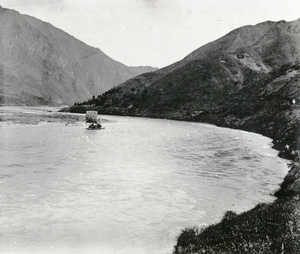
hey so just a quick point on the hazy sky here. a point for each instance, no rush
(153, 32)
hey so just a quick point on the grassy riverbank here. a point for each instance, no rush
(267, 228)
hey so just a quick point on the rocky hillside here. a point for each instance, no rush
(241, 80)
(40, 64)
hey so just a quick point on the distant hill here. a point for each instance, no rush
(40, 64)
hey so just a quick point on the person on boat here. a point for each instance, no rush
(92, 126)
(95, 126)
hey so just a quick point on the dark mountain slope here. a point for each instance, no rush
(213, 79)
(40, 64)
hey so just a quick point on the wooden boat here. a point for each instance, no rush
(94, 126)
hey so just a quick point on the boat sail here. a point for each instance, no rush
(92, 117)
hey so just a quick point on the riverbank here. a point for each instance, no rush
(267, 228)
(36, 115)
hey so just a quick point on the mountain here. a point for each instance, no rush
(212, 72)
(40, 64)
(240, 80)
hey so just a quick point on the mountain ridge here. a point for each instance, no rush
(41, 64)
(239, 58)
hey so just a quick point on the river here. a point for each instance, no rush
(130, 188)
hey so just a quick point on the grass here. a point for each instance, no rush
(267, 228)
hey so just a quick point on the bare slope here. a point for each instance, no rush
(40, 64)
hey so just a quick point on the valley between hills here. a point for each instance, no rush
(248, 80)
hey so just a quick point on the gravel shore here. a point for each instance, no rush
(36, 115)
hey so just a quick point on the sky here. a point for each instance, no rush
(153, 32)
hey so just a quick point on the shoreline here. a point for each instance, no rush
(36, 115)
(267, 228)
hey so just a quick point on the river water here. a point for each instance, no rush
(130, 188)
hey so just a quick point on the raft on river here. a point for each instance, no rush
(92, 117)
